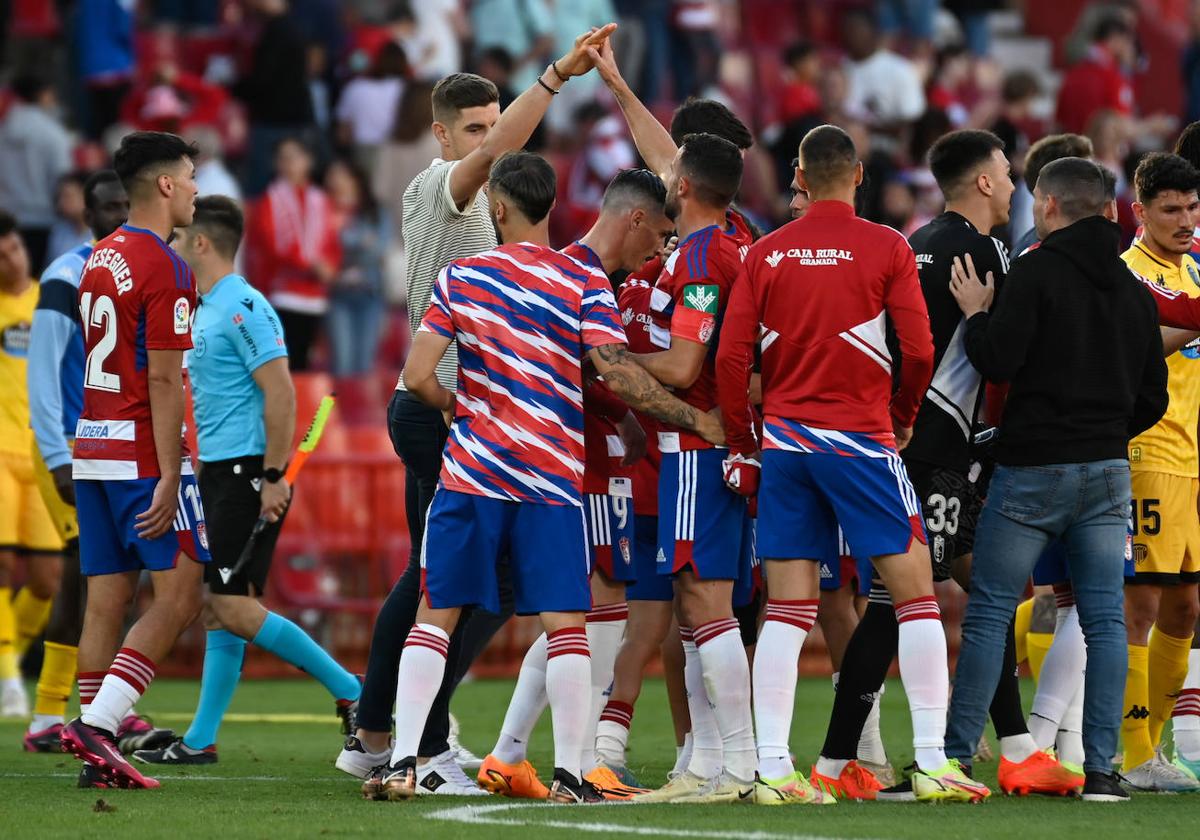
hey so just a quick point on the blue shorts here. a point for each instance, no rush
(1052, 567)
(649, 585)
(749, 571)
(701, 522)
(804, 497)
(465, 535)
(608, 519)
(108, 541)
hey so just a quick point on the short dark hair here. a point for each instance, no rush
(526, 179)
(459, 91)
(633, 188)
(713, 166)
(827, 153)
(141, 151)
(1110, 183)
(8, 223)
(1019, 85)
(708, 116)
(1188, 144)
(1077, 183)
(94, 181)
(957, 156)
(798, 52)
(28, 86)
(499, 56)
(220, 219)
(1053, 147)
(1109, 25)
(1159, 172)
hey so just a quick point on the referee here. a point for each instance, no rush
(245, 410)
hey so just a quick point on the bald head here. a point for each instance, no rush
(828, 160)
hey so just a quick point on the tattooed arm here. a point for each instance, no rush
(641, 391)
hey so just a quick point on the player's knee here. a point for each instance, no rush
(1178, 617)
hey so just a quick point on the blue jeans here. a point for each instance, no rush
(1087, 507)
(354, 321)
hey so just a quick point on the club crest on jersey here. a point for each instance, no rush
(701, 298)
(183, 315)
(626, 551)
(202, 535)
(706, 329)
(627, 316)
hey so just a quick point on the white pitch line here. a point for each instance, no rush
(167, 778)
(483, 815)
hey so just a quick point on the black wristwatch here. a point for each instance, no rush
(272, 475)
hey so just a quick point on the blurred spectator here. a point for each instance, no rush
(695, 48)
(317, 64)
(570, 18)
(1101, 79)
(947, 85)
(275, 91)
(172, 100)
(909, 19)
(441, 28)
(972, 15)
(1110, 133)
(524, 28)
(1016, 125)
(292, 249)
(366, 110)
(212, 176)
(103, 44)
(1191, 67)
(1078, 42)
(606, 151)
(799, 97)
(883, 88)
(496, 65)
(648, 48)
(70, 229)
(356, 307)
(35, 151)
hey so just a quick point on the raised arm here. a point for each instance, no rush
(653, 141)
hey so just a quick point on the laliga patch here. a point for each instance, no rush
(701, 298)
(626, 552)
(183, 316)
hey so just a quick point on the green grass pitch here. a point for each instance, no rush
(276, 780)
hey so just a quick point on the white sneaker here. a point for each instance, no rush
(466, 759)
(442, 775)
(1157, 774)
(14, 702)
(357, 761)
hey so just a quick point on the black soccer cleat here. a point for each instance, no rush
(98, 747)
(178, 752)
(137, 732)
(1103, 787)
(567, 790)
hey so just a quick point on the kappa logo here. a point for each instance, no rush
(775, 258)
(1137, 713)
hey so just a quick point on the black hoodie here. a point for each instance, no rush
(1077, 335)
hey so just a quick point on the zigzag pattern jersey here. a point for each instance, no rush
(524, 317)
(135, 295)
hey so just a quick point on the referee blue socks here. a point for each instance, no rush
(223, 654)
(291, 644)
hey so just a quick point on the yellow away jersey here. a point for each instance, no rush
(16, 318)
(1170, 445)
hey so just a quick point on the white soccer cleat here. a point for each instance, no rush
(725, 789)
(466, 759)
(684, 787)
(14, 702)
(442, 775)
(1159, 775)
(357, 761)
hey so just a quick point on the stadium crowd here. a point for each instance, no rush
(936, 411)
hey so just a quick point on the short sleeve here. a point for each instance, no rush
(438, 317)
(435, 192)
(256, 334)
(599, 320)
(167, 306)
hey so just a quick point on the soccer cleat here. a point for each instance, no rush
(372, 786)
(685, 786)
(1103, 787)
(624, 775)
(400, 780)
(855, 782)
(95, 746)
(357, 761)
(567, 790)
(14, 701)
(884, 773)
(899, 792)
(983, 751)
(466, 759)
(518, 781)
(725, 789)
(139, 733)
(1040, 773)
(790, 790)
(44, 740)
(89, 777)
(1157, 775)
(1192, 768)
(178, 752)
(442, 775)
(604, 780)
(947, 783)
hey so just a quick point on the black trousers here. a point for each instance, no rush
(419, 434)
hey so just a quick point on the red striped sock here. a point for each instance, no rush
(609, 612)
(1187, 704)
(422, 666)
(617, 712)
(126, 681)
(712, 629)
(428, 636)
(565, 641)
(802, 614)
(685, 635)
(134, 668)
(919, 608)
(89, 685)
(1064, 596)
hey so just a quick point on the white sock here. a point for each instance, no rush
(1068, 742)
(707, 753)
(526, 706)
(42, 722)
(1185, 720)
(605, 629)
(870, 742)
(422, 666)
(683, 755)
(774, 681)
(612, 732)
(568, 687)
(727, 679)
(926, 677)
(1061, 677)
(1017, 748)
(831, 767)
(126, 681)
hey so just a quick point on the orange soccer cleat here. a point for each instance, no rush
(855, 782)
(1040, 773)
(605, 781)
(519, 781)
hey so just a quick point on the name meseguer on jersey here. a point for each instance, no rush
(115, 263)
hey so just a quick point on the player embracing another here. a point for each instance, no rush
(525, 318)
(136, 495)
(818, 293)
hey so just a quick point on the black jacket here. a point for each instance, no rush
(1077, 336)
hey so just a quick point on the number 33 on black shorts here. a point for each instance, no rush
(950, 504)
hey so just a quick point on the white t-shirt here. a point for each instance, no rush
(369, 106)
(884, 88)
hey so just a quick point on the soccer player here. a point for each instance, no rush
(55, 399)
(26, 529)
(245, 409)
(818, 292)
(629, 231)
(445, 217)
(512, 476)
(136, 495)
(1160, 598)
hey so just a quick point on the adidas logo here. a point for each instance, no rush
(774, 258)
(826, 572)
